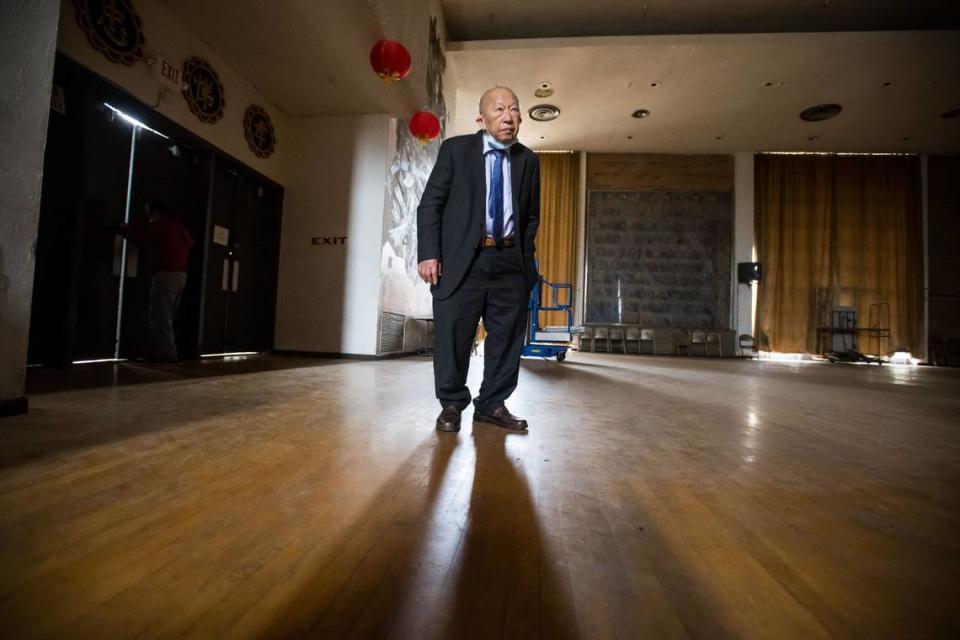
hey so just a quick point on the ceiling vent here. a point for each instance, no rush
(820, 112)
(544, 112)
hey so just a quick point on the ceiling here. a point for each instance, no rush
(310, 58)
(521, 19)
(725, 93)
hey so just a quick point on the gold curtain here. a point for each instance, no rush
(839, 231)
(557, 236)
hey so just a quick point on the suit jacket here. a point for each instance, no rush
(451, 218)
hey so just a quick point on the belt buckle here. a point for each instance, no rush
(488, 241)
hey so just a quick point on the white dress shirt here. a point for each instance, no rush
(490, 158)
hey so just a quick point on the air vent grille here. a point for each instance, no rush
(544, 112)
(820, 112)
(391, 332)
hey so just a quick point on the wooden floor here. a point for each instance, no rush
(654, 497)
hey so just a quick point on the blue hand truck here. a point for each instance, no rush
(548, 342)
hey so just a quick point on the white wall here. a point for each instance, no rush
(743, 240)
(328, 296)
(28, 30)
(167, 36)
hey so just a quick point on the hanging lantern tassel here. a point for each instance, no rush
(390, 60)
(424, 126)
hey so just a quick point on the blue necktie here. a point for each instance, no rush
(495, 197)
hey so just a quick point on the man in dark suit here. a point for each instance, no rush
(476, 226)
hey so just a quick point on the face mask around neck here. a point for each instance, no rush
(496, 144)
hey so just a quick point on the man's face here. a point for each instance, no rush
(500, 115)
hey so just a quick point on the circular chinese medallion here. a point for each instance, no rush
(112, 28)
(203, 91)
(258, 130)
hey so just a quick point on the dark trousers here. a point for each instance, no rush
(495, 290)
(166, 288)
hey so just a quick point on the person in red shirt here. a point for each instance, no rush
(167, 244)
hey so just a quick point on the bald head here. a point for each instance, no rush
(500, 113)
(492, 90)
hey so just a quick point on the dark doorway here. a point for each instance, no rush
(107, 156)
(240, 295)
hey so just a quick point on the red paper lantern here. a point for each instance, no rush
(424, 126)
(390, 60)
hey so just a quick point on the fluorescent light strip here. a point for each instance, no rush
(99, 360)
(133, 121)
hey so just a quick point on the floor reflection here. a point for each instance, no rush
(504, 584)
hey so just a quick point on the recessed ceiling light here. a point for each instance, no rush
(544, 112)
(640, 113)
(545, 90)
(953, 113)
(820, 112)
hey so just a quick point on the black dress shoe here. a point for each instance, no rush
(449, 419)
(502, 418)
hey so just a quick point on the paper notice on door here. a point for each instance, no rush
(221, 235)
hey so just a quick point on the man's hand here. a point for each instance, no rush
(430, 271)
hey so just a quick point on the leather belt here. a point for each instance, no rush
(488, 241)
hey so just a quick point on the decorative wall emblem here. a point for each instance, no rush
(203, 90)
(112, 27)
(258, 130)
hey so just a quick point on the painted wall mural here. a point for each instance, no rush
(401, 289)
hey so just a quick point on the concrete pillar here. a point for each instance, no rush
(28, 30)
(743, 299)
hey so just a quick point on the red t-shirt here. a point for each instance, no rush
(167, 243)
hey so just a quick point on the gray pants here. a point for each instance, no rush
(165, 291)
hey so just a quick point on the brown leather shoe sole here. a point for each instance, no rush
(509, 425)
